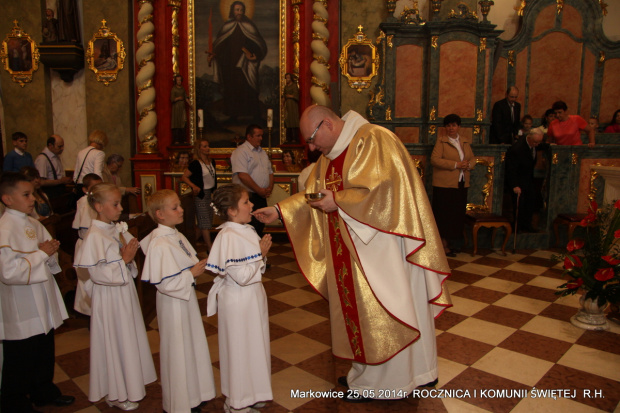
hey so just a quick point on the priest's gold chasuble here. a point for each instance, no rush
(376, 185)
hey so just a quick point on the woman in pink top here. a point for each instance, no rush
(614, 126)
(566, 129)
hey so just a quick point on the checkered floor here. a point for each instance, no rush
(506, 334)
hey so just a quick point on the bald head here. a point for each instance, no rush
(326, 124)
(535, 137)
(56, 144)
(512, 93)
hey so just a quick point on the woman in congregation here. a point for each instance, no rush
(452, 160)
(288, 160)
(566, 129)
(614, 126)
(112, 167)
(42, 205)
(90, 160)
(201, 176)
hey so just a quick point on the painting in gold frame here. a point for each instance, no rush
(105, 54)
(236, 81)
(359, 61)
(20, 55)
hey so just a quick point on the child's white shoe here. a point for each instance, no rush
(126, 405)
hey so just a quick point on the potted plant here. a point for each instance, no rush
(592, 264)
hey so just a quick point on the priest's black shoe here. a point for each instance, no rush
(342, 380)
(430, 384)
(62, 400)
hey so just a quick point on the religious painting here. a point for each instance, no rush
(20, 55)
(238, 48)
(105, 54)
(359, 61)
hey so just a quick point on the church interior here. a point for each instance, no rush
(157, 76)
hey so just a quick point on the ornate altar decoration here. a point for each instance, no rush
(20, 55)
(359, 61)
(105, 54)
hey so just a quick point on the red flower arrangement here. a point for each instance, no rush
(593, 263)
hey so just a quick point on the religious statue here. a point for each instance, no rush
(291, 108)
(178, 120)
(68, 22)
(50, 27)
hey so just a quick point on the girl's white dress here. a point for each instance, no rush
(243, 321)
(186, 371)
(84, 216)
(120, 357)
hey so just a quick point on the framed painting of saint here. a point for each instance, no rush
(20, 55)
(238, 48)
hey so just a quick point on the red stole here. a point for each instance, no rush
(341, 260)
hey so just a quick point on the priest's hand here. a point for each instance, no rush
(265, 244)
(128, 252)
(199, 268)
(49, 247)
(326, 204)
(266, 215)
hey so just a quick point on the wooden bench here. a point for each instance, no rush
(487, 220)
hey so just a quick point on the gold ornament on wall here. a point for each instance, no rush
(412, 15)
(433, 115)
(388, 113)
(520, 9)
(483, 44)
(603, 7)
(432, 130)
(560, 5)
(511, 58)
(486, 188)
(434, 41)
(359, 61)
(476, 129)
(20, 55)
(479, 116)
(105, 54)
(554, 159)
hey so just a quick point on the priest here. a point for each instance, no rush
(371, 248)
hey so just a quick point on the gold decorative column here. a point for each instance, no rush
(296, 31)
(176, 7)
(147, 122)
(319, 91)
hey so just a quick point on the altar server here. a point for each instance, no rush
(32, 306)
(172, 266)
(239, 258)
(84, 216)
(120, 358)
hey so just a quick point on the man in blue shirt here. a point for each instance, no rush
(17, 158)
(252, 169)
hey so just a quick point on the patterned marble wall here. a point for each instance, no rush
(69, 114)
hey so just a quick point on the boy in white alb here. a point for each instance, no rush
(84, 216)
(32, 306)
(171, 265)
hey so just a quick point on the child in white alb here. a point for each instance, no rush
(120, 357)
(84, 215)
(32, 306)
(171, 265)
(238, 257)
